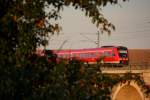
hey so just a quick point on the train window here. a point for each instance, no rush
(107, 54)
(123, 53)
(113, 53)
(93, 55)
(84, 55)
(88, 55)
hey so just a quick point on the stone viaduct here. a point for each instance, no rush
(130, 91)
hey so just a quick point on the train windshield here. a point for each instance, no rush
(123, 52)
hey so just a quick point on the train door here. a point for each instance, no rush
(111, 56)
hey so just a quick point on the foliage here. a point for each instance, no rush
(24, 26)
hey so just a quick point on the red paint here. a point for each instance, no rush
(92, 55)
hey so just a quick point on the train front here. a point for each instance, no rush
(123, 55)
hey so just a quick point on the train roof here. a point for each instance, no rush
(108, 46)
(111, 46)
(89, 49)
(79, 50)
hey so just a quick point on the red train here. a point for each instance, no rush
(105, 54)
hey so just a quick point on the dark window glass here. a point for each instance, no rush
(107, 54)
(123, 55)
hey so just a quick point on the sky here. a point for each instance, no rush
(131, 19)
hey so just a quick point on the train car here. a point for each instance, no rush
(105, 54)
(122, 54)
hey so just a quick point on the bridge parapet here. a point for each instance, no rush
(125, 90)
(146, 77)
(131, 66)
(143, 70)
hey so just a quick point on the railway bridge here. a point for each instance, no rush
(130, 91)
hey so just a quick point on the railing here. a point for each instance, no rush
(126, 67)
(134, 68)
(113, 69)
